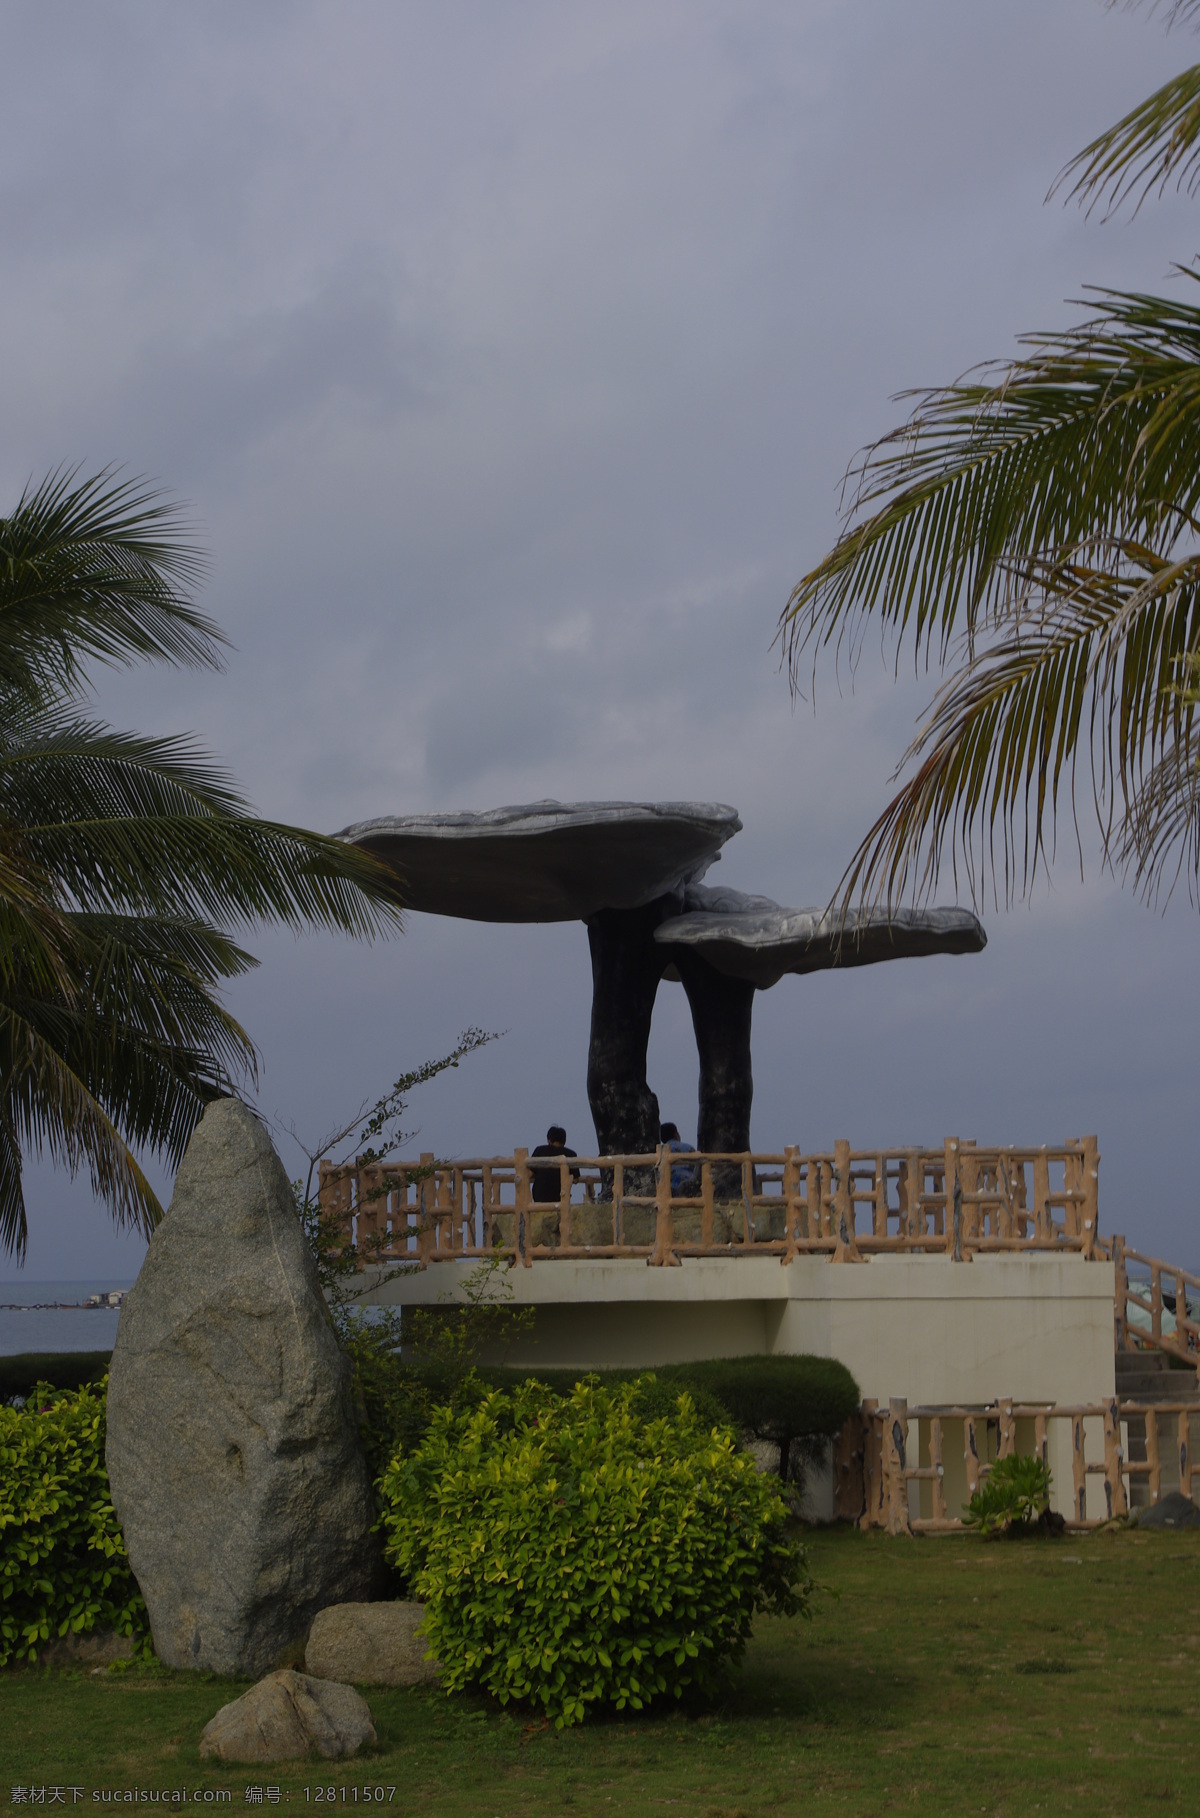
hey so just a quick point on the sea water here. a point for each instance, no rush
(47, 1316)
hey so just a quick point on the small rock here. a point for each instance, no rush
(98, 1648)
(287, 1715)
(370, 1644)
(1173, 1511)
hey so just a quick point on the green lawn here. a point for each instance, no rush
(948, 1676)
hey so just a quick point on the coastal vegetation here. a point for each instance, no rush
(1032, 529)
(127, 864)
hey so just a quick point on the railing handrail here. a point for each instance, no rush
(959, 1199)
(1184, 1340)
(872, 1473)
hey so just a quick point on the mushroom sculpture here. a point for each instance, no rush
(726, 946)
(630, 871)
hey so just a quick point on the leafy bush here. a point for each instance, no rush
(1015, 1495)
(574, 1556)
(60, 1369)
(63, 1564)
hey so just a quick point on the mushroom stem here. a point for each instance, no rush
(626, 968)
(722, 1011)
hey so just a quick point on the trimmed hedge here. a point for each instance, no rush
(791, 1402)
(575, 1556)
(780, 1399)
(61, 1369)
(63, 1565)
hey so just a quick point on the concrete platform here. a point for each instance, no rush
(1033, 1326)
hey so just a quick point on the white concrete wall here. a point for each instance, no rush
(1035, 1327)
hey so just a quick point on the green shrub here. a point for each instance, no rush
(1014, 1495)
(574, 1556)
(63, 1564)
(62, 1369)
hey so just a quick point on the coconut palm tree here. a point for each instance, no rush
(126, 863)
(1035, 529)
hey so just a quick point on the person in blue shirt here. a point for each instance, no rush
(684, 1181)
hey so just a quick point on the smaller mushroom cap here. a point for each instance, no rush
(547, 861)
(753, 938)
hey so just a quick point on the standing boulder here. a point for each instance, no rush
(233, 1452)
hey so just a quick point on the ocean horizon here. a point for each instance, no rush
(33, 1316)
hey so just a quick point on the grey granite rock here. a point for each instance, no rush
(753, 939)
(370, 1644)
(233, 1451)
(1175, 1510)
(547, 861)
(287, 1715)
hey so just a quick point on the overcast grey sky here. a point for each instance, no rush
(510, 355)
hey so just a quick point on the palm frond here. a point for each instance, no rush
(1160, 840)
(1093, 671)
(1087, 435)
(1157, 141)
(128, 823)
(100, 569)
(50, 1109)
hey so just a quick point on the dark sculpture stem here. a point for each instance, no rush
(626, 968)
(722, 1010)
(627, 965)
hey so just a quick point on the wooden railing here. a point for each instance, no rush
(874, 1457)
(1147, 1315)
(847, 1204)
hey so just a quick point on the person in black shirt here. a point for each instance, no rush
(547, 1181)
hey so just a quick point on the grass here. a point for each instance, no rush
(947, 1676)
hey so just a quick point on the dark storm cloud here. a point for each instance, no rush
(510, 357)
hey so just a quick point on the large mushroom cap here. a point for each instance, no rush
(547, 861)
(752, 938)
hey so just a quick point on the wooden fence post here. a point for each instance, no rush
(845, 1240)
(1114, 1458)
(1154, 1475)
(938, 1469)
(662, 1209)
(1185, 1466)
(1079, 1467)
(910, 1195)
(1043, 1218)
(1090, 1209)
(1120, 1293)
(895, 1453)
(849, 1484)
(873, 1488)
(971, 1460)
(708, 1208)
(879, 1209)
(523, 1202)
(426, 1200)
(952, 1192)
(1008, 1429)
(968, 1178)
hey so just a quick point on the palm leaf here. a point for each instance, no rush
(1084, 436)
(97, 569)
(1092, 671)
(123, 823)
(1157, 141)
(48, 1108)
